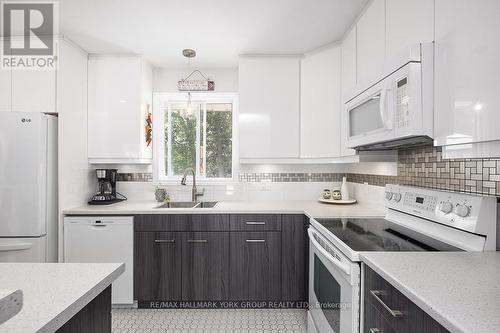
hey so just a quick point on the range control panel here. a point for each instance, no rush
(459, 210)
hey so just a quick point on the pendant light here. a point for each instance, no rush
(189, 53)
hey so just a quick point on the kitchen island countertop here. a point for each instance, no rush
(460, 290)
(53, 292)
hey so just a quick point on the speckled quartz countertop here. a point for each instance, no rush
(310, 208)
(11, 302)
(459, 290)
(52, 292)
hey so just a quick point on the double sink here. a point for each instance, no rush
(188, 204)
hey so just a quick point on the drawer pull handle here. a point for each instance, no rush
(256, 240)
(164, 240)
(197, 241)
(256, 222)
(376, 294)
(375, 330)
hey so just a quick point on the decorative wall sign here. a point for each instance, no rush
(149, 126)
(192, 84)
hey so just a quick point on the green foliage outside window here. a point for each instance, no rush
(214, 120)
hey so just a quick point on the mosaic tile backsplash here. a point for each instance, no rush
(425, 167)
(420, 166)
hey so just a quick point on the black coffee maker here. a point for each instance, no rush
(106, 188)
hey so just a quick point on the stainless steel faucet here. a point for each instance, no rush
(194, 191)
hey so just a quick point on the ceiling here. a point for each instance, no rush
(219, 30)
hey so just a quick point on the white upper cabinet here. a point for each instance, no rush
(320, 104)
(269, 107)
(120, 96)
(29, 90)
(408, 22)
(349, 67)
(371, 43)
(5, 90)
(34, 90)
(467, 71)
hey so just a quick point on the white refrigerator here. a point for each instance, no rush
(28, 187)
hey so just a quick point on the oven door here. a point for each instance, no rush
(333, 288)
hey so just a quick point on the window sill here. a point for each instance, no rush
(199, 182)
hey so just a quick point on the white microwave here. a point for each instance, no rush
(398, 109)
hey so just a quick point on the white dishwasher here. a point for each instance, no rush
(102, 239)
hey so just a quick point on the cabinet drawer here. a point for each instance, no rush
(255, 222)
(374, 321)
(183, 222)
(389, 302)
(402, 315)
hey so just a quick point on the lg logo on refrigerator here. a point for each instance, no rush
(26, 120)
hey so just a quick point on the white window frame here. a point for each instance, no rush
(159, 175)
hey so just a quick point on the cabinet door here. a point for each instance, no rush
(371, 43)
(255, 266)
(114, 110)
(34, 90)
(467, 71)
(349, 65)
(157, 266)
(269, 107)
(295, 249)
(408, 22)
(205, 266)
(5, 89)
(320, 104)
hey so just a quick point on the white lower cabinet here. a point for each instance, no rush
(119, 99)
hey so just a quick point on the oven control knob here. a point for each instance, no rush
(396, 197)
(388, 195)
(462, 210)
(446, 207)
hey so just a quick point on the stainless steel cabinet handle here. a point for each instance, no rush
(164, 240)
(376, 294)
(375, 330)
(197, 241)
(255, 240)
(255, 222)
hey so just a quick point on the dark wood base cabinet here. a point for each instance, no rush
(387, 310)
(220, 257)
(255, 266)
(94, 317)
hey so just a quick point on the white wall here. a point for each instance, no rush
(165, 79)
(76, 181)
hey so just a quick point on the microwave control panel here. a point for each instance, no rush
(402, 99)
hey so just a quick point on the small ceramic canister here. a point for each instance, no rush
(336, 195)
(326, 194)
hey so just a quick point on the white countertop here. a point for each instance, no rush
(11, 302)
(461, 290)
(310, 208)
(52, 292)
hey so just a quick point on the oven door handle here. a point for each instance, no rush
(344, 267)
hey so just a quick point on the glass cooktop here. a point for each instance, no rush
(373, 234)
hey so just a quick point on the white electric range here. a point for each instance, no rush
(417, 219)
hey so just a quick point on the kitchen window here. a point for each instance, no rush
(197, 133)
